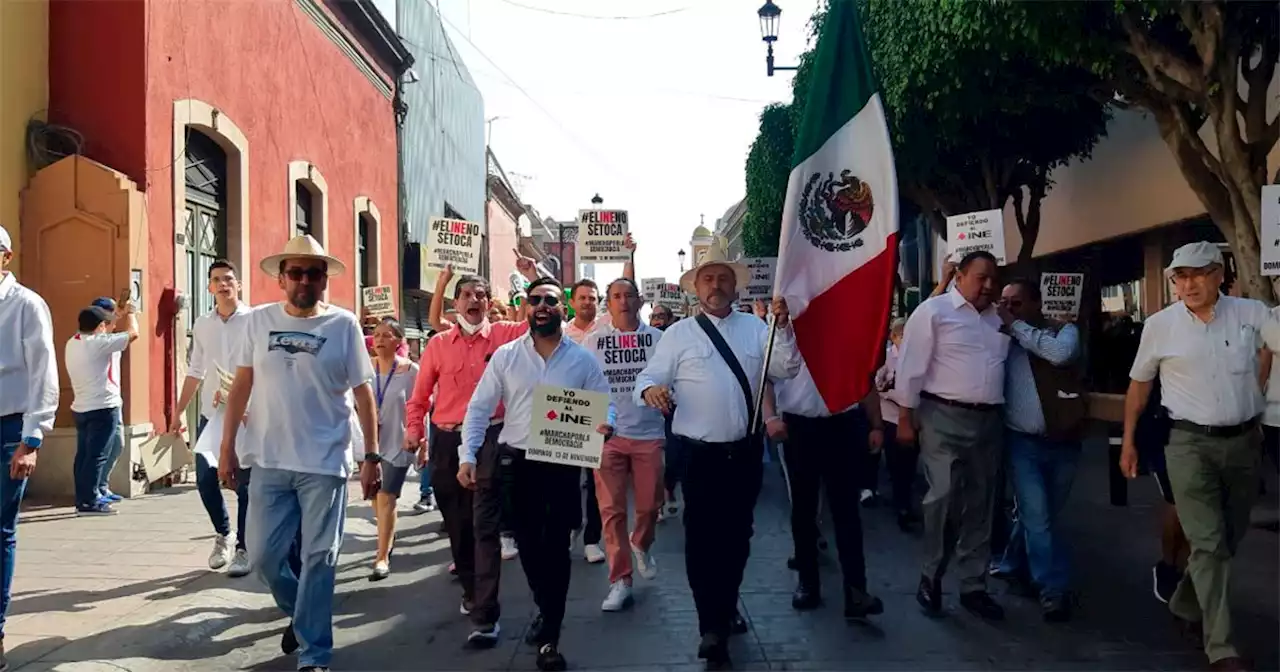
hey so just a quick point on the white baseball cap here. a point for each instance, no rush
(6, 243)
(1194, 255)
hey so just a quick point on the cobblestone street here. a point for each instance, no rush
(133, 592)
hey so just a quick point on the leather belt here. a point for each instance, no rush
(458, 426)
(983, 408)
(1219, 431)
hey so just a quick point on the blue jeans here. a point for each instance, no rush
(97, 437)
(424, 488)
(10, 501)
(281, 504)
(211, 491)
(1042, 472)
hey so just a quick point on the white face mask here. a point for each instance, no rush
(468, 328)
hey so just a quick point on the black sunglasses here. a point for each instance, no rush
(550, 299)
(312, 274)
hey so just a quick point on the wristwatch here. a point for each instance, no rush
(372, 457)
(32, 442)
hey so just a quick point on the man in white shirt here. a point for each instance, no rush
(208, 357)
(632, 459)
(113, 457)
(950, 388)
(584, 296)
(28, 403)
(544, 497)
(296, 362)
(1205, 349)
(713, 401)
(93, 365)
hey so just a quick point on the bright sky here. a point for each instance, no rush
(654, 114)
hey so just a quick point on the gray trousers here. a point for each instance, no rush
(960, 450)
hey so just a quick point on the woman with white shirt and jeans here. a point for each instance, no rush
(393, 381)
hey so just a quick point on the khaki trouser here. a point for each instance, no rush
(1215, 481)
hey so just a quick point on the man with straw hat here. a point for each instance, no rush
(300, 357)
(711, 367)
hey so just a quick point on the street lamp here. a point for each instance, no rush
(596, 200)
(769, 15)
(681, 255)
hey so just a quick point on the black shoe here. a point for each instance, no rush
(313, 668)
(485, 637)
(806, 598)
(550, 660)
(979, 603)
(289, 640)
(929, 595)
(791, 563)
(1164, 581)
(534, 636)
(859, 604)
(715, 650)
(739, 624)
(822, 542)
(908, 521)
(1056, 609)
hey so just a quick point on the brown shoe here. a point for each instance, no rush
(1232, 664)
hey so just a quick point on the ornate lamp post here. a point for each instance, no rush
(769, 15)
(681, 255)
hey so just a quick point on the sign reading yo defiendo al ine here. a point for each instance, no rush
(564, 425)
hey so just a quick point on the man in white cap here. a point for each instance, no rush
(28, 402)
(300, 358)
(1205, 350)
(711, 369)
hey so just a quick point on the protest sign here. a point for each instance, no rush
(602, 236)
(760, 284)
(670, 297)
(623, 356)
(651, 288)
(1060, 295)
(457, 242)
(377, 301)
(976, 231)
(564, 424)
(1269, 235)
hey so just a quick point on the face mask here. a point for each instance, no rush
(468, 328)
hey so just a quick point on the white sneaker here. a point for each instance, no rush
(619, 597)
(221, 555)
(865, 495)
(646, 564)
(593, 553)
(672, 508)
(381, 570)
(509, 548)
(239, 565)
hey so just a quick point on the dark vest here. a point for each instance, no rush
(1063, 397)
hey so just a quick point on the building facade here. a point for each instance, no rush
(24, 73)
(191, 149)
(729, 227)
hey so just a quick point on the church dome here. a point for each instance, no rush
(702, 232)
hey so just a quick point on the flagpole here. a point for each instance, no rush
(764, 377)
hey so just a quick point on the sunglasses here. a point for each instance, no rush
(312, 274)
(550, 299)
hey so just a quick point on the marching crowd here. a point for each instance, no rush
(977, 388)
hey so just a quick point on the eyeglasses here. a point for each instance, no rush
(550, 299)
(312, 274)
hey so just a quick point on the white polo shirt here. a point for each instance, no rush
(93, 365)
(28, 367)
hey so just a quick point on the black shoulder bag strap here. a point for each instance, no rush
(732, 360)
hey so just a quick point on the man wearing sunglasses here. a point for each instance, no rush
(299, 359)
(545, 498)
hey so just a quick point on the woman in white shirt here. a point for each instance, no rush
(393, 380)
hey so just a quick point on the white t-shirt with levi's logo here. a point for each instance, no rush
(303, 368)
(93, 365)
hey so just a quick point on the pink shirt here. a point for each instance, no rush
(579, 335)
(450, 369)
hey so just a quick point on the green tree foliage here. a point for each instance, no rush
(1205, 71)
(768, 164)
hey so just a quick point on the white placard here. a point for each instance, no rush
(671, 298)
(603, 234)
(377, 301)
(622, 356)
(563, 428)
(651, 288)
(1269, 235)
(457, 242)
(209, 443)
(976, 231)
(760, 284)
(1060, 295)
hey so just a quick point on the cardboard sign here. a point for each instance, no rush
(1060, 295)
(651, 288)
(457, 242)
(760, 285)
(377, 300)
(564, 424)
(976, 231)
(623, 356)
(602, 236)
(1269, 234)
(671, 298)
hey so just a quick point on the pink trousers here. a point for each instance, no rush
(639, 463)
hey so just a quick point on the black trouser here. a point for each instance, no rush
(546, 503)
(491, 514)
(591, 531)
(721, 484)
(832, 452)
(457, 506)
(673, 459)
(902, 460)
(1271, 444)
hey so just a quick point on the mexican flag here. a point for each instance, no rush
(838, 252)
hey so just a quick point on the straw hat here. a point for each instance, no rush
(717, 255)
(302, 247)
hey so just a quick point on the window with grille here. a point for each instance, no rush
(368, 268)
(303, 222)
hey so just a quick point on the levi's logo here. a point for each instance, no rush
(294, 342)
